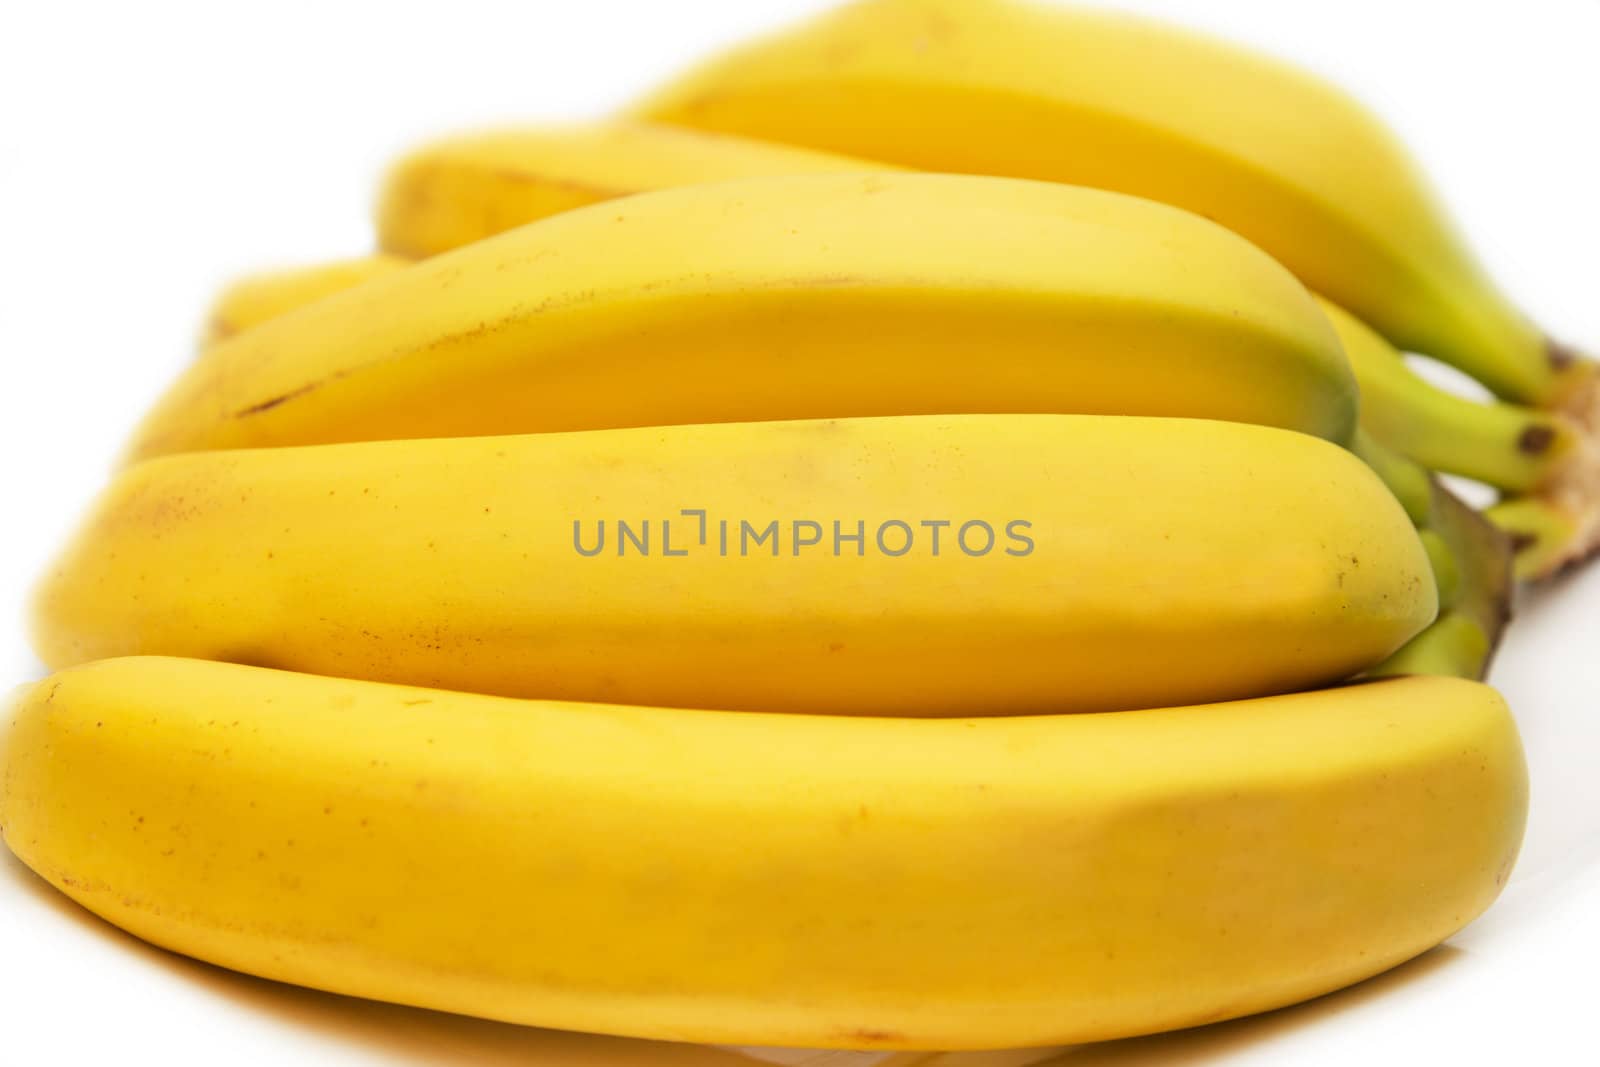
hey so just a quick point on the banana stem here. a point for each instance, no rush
(1475, 595)
(1557, 529)
(1407, 480)
(1549, 460)
(1471, 562)
(1454, 646)
(1503, 445)
(1484, 554)
(1446, 568)
(1540, 535)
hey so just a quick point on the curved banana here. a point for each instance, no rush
(1099, 99)
(769, 879)
(771, 298)
(954, 565)
(454, 192)
(461, 190)
(252, 300)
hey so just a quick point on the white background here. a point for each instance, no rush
(149, 151)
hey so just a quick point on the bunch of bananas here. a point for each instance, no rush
(708, 576)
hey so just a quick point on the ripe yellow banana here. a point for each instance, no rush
(769, 879)
(453, 192)
(919, 565)
(1091, 98)
(469, 188)
(771, 298)
(253, 300)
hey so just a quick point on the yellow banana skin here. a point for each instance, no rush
(1166, 561)
(1092, 98)
(454, 192)
(469, 188)
(253, 300)
(769, 879)
(774, 298)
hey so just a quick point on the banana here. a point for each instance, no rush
(469, 188)
(253, 300)
(775, 298)
(457, 191)
(1098, 99)
(789, 880)
(947, 565)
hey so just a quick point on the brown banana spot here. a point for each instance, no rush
(268, 405)
(1536, 440)
(869, 1037)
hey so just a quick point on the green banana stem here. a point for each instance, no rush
(1484, 553)
(1548, 460)
(1472, 563)
(1446, 568)
(1455, 645)
(1407, 480)
(1557, 529)
(1413, 488)
(1502, 445)
(1540, 533)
